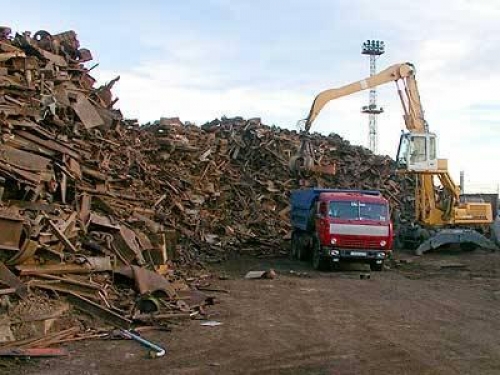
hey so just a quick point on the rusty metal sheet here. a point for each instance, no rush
(109, 117)
(102, 221)
(56, 59)
(128, 245)
(26, 253)
(84, 55)
(11, 226)
(148, 282)
(87, 112)
(11, 280)
(60, 92)
(143, 240)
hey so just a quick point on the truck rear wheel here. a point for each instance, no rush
(298, 249)
(294, 243)
(301, 249)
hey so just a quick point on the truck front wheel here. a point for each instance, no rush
(318, 261)
(377, 267)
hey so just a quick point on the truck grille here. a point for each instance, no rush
(360, 244)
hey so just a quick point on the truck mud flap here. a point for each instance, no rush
(455, 236)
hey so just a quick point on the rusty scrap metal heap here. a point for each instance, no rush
(227, 182)
(78, 206)
(112, 216)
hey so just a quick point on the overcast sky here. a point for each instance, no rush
(203, 59)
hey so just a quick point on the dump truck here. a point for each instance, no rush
(332, 226)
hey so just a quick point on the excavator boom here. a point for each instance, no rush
(412, 107)
(404, 77)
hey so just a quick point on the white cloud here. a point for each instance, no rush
(190, 97)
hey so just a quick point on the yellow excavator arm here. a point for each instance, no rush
(410, 99)
(404, 77)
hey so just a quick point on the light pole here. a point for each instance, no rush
(373, 48)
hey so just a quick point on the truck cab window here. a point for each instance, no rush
(372, 211)
(348, 210)
(355, 210)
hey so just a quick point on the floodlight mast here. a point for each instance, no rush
(373, 48)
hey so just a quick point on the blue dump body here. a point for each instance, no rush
(303, 201)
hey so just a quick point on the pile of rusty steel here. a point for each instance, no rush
(227, 183)
(79, 217)
(112, 218)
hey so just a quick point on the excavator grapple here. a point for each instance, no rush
(304, 162)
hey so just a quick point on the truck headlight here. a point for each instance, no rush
(383, 243)
(381, 255)
(334, 252)
(333, 241)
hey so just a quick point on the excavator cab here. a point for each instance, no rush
(417, 152)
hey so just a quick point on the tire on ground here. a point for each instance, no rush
(376, 267)
(302, 250)
(294, 242)
(318, 261)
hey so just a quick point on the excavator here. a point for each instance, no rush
(441, 217)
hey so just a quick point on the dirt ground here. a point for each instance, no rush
(437, 314)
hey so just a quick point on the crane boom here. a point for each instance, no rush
(410, 99)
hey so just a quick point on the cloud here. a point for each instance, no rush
(197, 98)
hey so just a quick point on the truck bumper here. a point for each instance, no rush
(376, 256)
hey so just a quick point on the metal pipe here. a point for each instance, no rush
(158, 350)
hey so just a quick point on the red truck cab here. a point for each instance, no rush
(342, 225)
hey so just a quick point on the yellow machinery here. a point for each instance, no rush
(417, 155)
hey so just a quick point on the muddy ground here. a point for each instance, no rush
(438, 314)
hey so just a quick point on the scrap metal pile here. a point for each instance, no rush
(111, 218)
(77, 217)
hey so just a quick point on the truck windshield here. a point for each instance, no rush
(356, 210)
